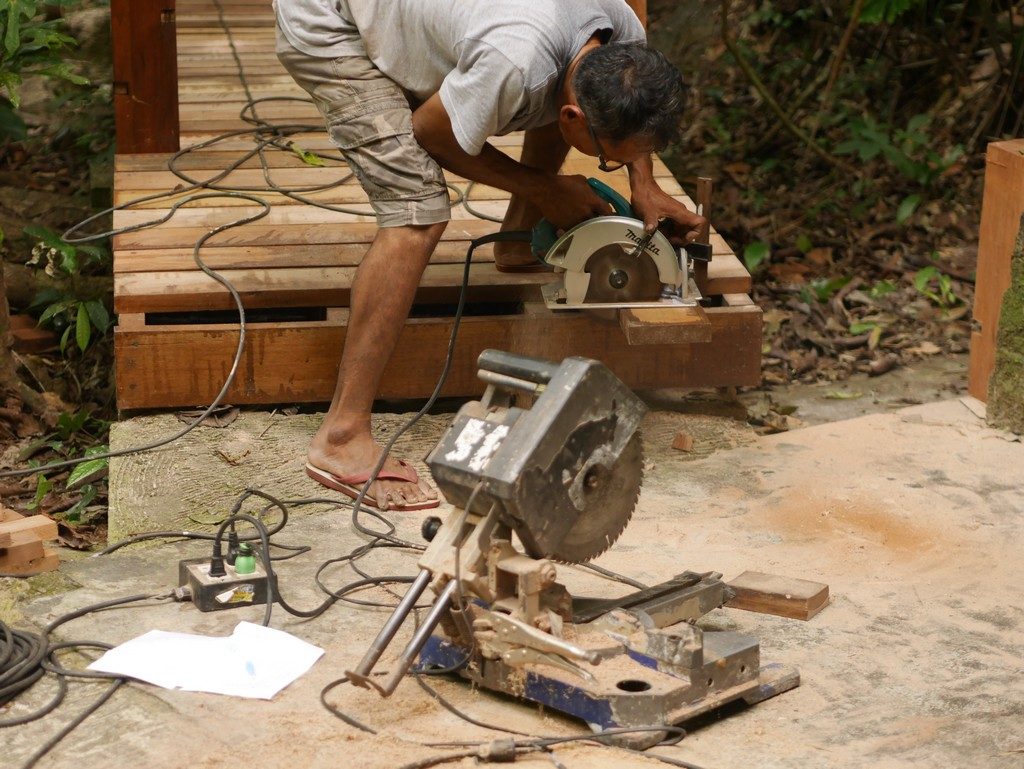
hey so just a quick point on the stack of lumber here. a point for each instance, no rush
(22, 543)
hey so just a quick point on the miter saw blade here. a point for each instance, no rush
(610, 496)
(617, 275)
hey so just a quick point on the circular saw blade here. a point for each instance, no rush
(618, 276)
(611, 494)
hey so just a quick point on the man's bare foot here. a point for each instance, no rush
(356, 456)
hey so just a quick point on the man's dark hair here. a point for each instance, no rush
(629, 90)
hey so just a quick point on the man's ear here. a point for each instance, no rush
(571, 114)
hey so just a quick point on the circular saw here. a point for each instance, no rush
(611, 262)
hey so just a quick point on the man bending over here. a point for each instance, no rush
(408, 87)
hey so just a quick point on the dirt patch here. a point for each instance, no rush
(807, 516)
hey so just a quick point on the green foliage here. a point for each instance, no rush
(60, 308)
(862, 327)
(881, 288)
(30, 45)
(908, 150)
(907, 208)
(936, 286)
(823, 289)
(73, 431)
(878, 11)
(755, 254)
(308, 157)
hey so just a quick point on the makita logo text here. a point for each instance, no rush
(637, 238)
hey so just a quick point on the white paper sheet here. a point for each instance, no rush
(254, 661)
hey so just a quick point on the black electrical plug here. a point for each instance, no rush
(232, 545)
(217, 565)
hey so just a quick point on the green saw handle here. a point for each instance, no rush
(544, 233)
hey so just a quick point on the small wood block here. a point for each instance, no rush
(47, 562)
(782, 596)
(25, 549)
(671, 325)
(39, 526)
(28, 337)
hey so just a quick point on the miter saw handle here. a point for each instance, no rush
(518, 366)
(545, 233)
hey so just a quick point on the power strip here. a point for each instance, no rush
(228, 592)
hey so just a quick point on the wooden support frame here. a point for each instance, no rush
(1002, 207)
(298, 362)
(640, 9)
(145, 85)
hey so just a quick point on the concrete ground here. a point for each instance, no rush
(912, 517)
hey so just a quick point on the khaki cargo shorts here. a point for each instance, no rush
(369, 120)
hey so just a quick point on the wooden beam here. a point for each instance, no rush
(1001, 209)
(640, 9)
(298, 362)
(145, 75)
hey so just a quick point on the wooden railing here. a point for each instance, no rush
(145, 75)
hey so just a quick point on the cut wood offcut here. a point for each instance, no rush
(22, 538)
(782, 596)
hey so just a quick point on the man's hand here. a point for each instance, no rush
(569, 200)
(680, 224)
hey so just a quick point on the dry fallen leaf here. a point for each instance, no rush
(925, 348)
(682, 442)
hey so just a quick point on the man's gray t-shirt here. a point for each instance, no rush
(498, 64)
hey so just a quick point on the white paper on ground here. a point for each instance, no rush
(254, 661)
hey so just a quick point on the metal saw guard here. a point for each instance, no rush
(571, 252)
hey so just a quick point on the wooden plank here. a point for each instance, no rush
(48, 562)
(640, 9)
(1002, 207)
(669, 325)
(145, 75)
(311, 176)
(39, 526)
(307, 287)
(782, 596)
(151, 291)
(297, 362)
(724, 267)
(25, 548)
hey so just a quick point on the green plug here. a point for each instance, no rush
(245, 561)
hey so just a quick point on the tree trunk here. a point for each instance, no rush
(1006, 387)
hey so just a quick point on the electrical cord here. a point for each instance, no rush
(26, 657)
(27, 647)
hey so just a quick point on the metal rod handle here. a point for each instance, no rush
(418, 639)
(387, 633)
(517, 366)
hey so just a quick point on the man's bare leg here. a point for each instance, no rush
(544, 149)
(382, 293)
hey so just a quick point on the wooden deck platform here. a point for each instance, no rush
(294, 268)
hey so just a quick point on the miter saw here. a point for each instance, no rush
(610, 262)
(562, 477)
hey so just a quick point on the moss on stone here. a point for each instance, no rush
(1006, 387)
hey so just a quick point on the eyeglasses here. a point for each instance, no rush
(601, 162)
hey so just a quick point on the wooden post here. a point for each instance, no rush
(145, 75)
(640, 9)
(1002, 207)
